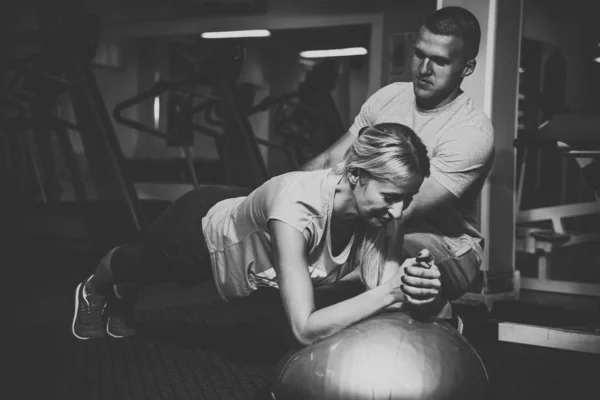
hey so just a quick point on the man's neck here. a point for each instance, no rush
(435, 103)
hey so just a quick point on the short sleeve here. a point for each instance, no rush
(294, 214)
(463, 159)
(371, 108)
(296, 204)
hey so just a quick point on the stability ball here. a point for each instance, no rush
(389, 356)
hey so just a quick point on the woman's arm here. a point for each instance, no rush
(308, 323)
(345, 288)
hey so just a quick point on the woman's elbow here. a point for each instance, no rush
(303, 337)
(304, 334)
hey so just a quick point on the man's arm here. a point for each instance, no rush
(432, 195)
(333, 155)
(459, 162)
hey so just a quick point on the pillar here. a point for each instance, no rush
(494, 89)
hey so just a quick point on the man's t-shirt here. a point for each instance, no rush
(460, 143)
(239, 241)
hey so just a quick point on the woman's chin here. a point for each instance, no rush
(376, 223)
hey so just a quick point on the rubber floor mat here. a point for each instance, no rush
(205, 351)
(222, 351)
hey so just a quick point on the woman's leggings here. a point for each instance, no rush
(173, 248)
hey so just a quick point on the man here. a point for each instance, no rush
(460, 143)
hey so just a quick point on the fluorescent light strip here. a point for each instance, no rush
(350, 51)
(236, 34)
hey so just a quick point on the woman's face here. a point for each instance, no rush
(378, 202)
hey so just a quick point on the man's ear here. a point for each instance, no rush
(469, 68)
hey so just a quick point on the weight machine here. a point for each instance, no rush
(307, 120)
(210, 93)
(543, 230)
(62, 70)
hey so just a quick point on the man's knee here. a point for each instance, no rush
(459, 274)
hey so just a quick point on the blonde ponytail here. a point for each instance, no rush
(375, 246)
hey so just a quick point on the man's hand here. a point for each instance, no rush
(421, 281)
(333, 155)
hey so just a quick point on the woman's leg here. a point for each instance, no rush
(173, 249)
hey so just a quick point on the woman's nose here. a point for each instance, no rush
(396, 209)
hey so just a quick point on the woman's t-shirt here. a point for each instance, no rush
(239, 241)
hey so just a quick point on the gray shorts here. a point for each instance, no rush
(458, 259)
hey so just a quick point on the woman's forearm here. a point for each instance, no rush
(332, 319)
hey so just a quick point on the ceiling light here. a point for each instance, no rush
(350, 51)
(597, 59)
(236, 34)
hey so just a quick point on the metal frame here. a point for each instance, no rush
(532, 244)
(566, 339)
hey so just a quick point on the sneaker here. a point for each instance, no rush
(88, 318)
(120, 322)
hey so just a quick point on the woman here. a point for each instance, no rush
(297, 231)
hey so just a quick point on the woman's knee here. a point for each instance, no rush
(124, 261)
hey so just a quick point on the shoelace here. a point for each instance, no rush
(91, 307)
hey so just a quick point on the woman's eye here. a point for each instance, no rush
(390, 199)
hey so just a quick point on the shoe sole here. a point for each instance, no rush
(112, 334)
(75, 313)
(118, 296)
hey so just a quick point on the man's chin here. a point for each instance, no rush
(423, 93)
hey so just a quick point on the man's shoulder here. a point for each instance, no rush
(397, 89)
(393, 95)
(474, 118)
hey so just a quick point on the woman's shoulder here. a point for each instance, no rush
(297, 181)
(305, 192)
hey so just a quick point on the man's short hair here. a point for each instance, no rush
(457, 22)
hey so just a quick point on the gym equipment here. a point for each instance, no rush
(542, 230)
(61, 74)
(44, 217)
(389, 356)
(209, 91)
(307, 119)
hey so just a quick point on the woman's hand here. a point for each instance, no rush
(421, 279)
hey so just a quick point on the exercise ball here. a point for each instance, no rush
(390, 356)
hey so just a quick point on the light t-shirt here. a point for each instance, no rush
(239, 241)
(460, 143)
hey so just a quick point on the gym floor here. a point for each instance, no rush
(191, 346)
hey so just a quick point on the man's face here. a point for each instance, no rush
(439, 64)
